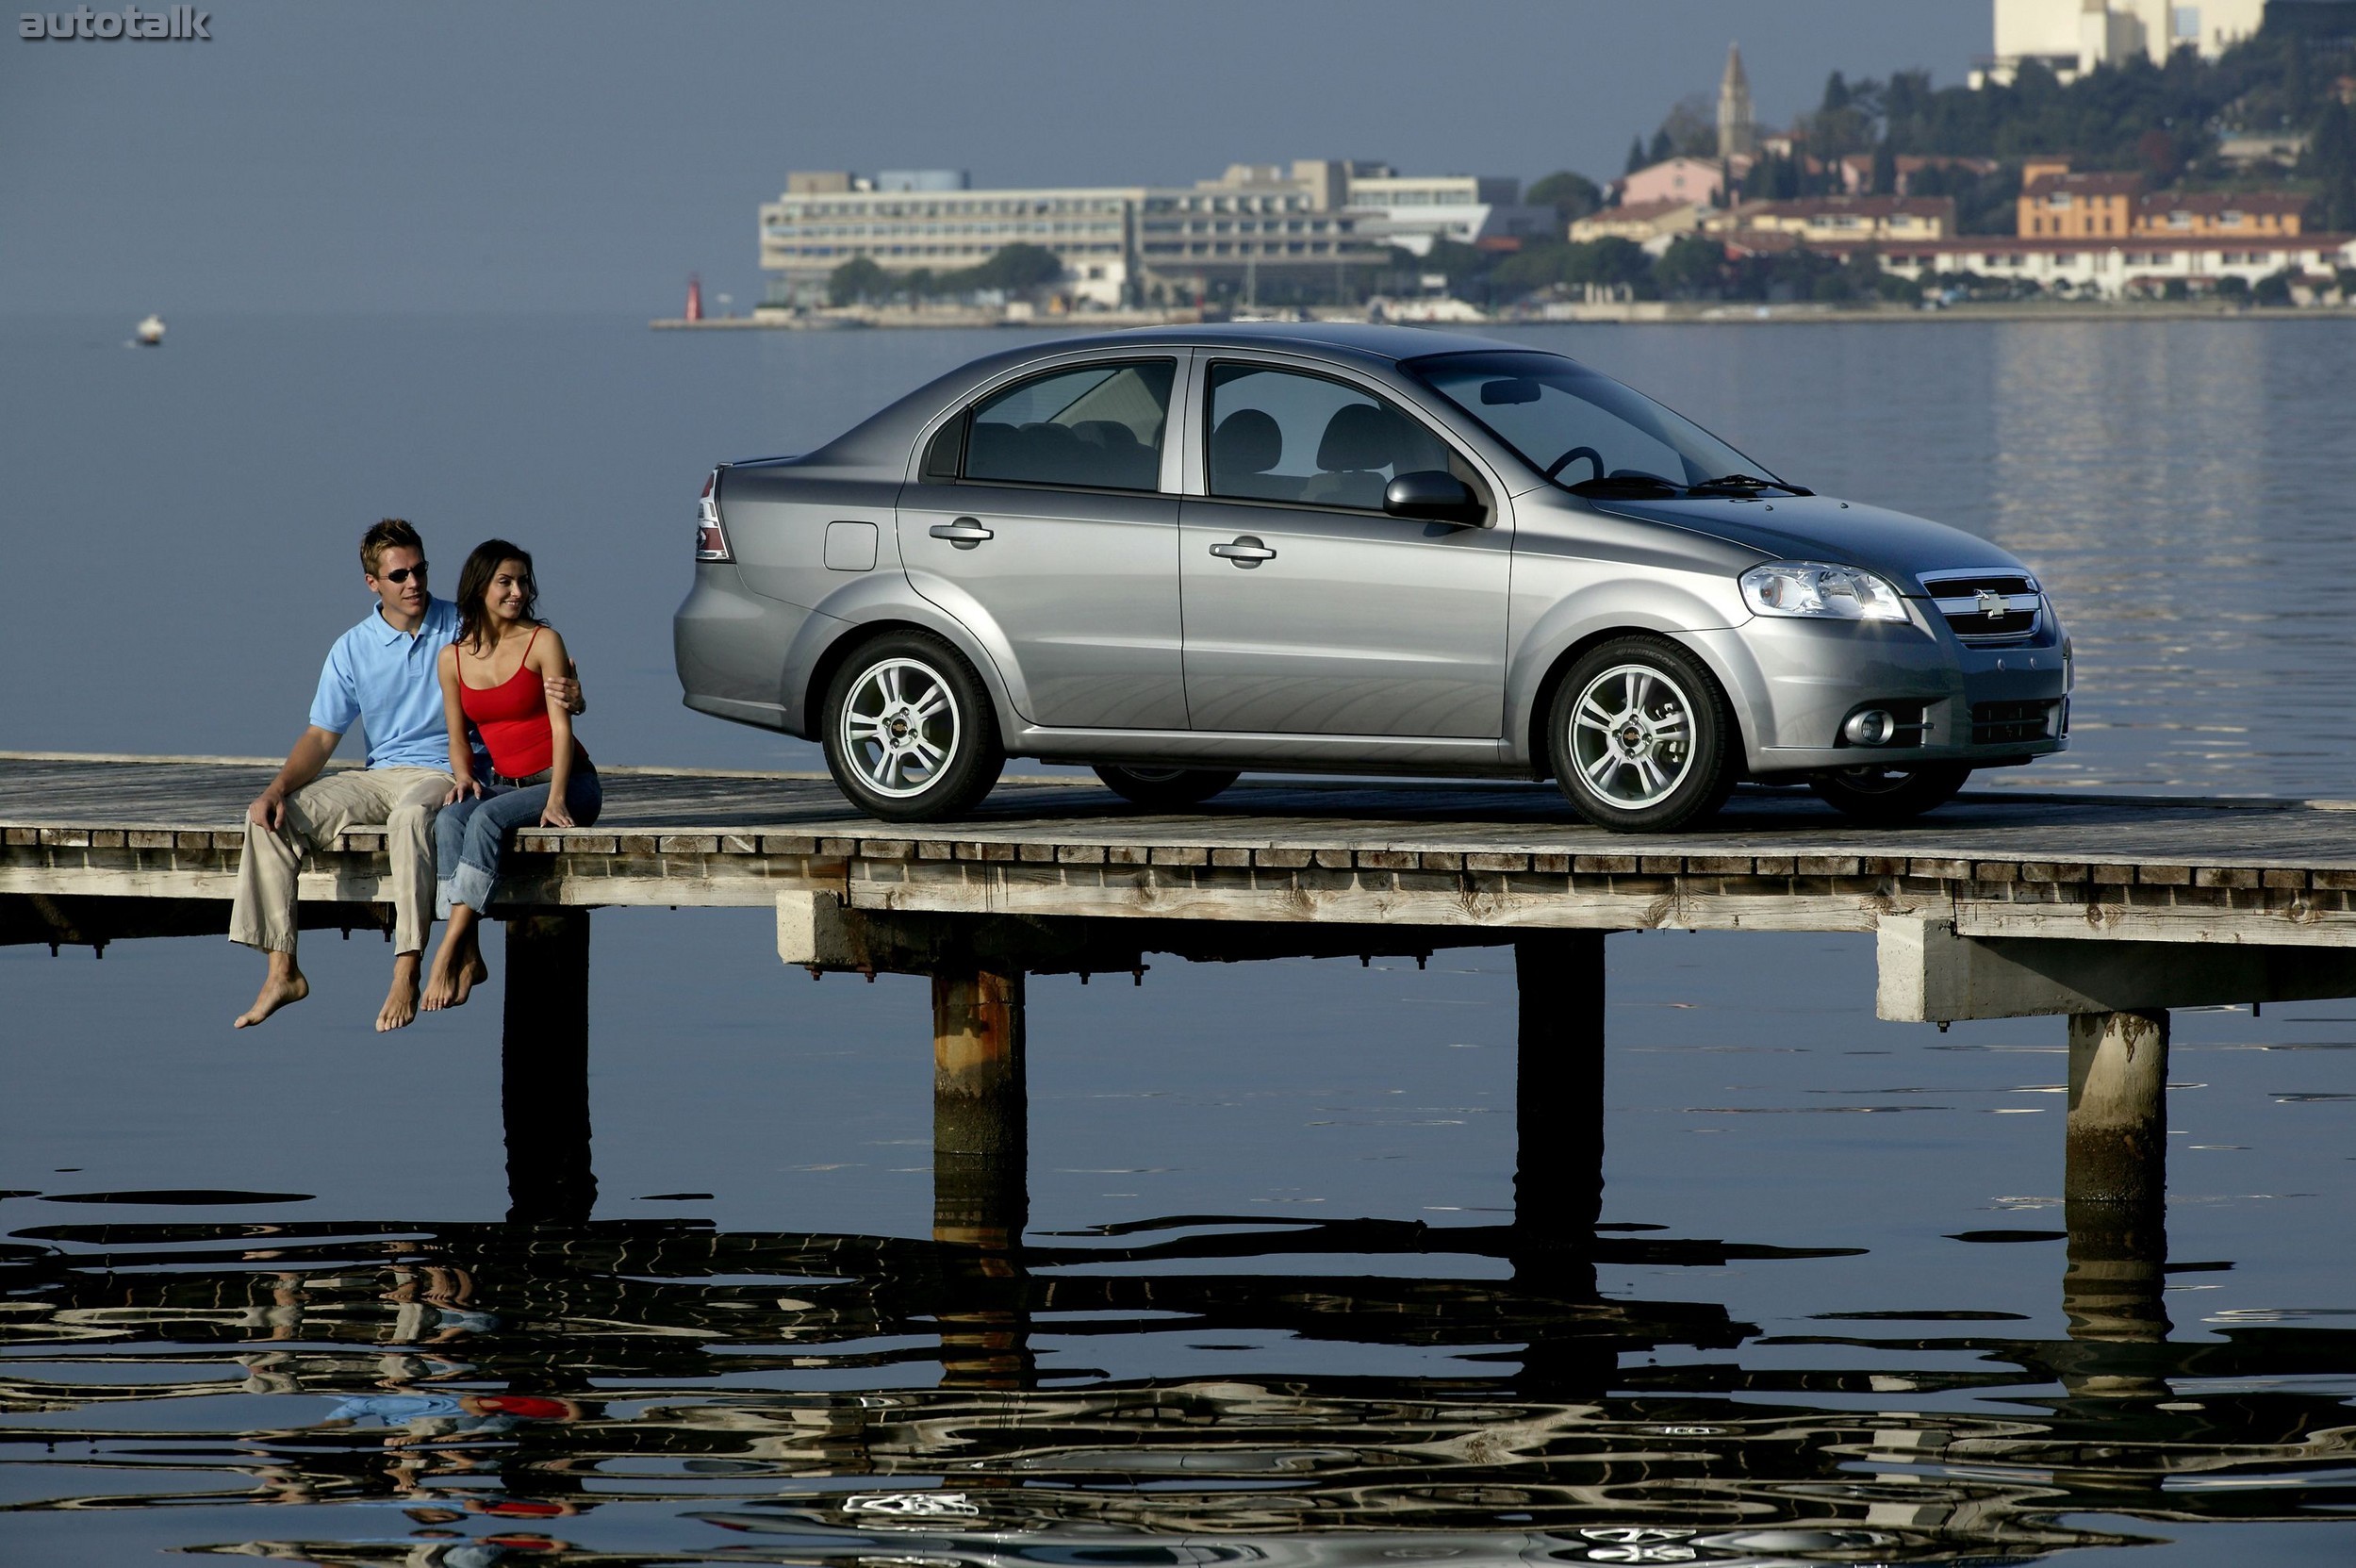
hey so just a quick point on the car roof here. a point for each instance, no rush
(1370, 340)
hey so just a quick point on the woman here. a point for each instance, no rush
(492, 675)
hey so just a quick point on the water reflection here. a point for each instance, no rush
(651, 1391)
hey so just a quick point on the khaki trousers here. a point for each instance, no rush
(403, 800)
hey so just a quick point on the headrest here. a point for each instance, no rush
(1361, 435)
(1247, 441)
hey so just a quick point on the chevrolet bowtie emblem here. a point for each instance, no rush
(1991, 604)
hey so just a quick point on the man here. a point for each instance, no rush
(381, 672)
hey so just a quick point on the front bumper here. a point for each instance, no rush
(1795, 682)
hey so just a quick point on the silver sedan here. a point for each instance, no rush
(1179, 554)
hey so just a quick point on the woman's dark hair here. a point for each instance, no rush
(474, 579)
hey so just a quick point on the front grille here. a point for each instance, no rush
(1986, 607)
(2008, 723)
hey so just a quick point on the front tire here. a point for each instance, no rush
(1641, 737)
(1165, 789)
(910, 734)
(1884, 794)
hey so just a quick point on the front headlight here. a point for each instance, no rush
(1815, 589)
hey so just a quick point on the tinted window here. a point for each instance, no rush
(1096, 428)
(1278, 436)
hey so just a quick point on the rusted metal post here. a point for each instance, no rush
(544, 1068)
(1558, 1104)
(981, 1130)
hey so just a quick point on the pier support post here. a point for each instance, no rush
(2114, 1189)
(544, 1068)
(2117, 1137)
(1558, 1098)
(981, 1130)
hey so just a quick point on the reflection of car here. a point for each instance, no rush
(1177, 554)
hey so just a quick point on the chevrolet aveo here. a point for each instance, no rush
(1178, 555)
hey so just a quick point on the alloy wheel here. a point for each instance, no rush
(1632, 737)
(900, 727)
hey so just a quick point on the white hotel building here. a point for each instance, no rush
(1124, 244)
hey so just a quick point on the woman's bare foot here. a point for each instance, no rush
(283, 985)
(471, 973)
(401, 1001)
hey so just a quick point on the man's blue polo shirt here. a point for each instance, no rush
(386, 679)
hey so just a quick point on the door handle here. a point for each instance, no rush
(965, 533)
(1247, 551)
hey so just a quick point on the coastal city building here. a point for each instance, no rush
(1650, 225)
(1127, 244)
(1412, 210)
(2056, 203)
(1840, 219)
(1679, 179)
(2194, 265)
(2070, 38)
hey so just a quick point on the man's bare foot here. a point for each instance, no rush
(278, 990)
(401, 1003)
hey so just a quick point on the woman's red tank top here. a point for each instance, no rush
(512, 718)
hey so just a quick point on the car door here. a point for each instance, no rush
(1041, 517)
(1308, 611)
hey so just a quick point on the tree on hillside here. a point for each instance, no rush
(1691, 268)
(1662, 149)
(1636, 154)
(1571, 195)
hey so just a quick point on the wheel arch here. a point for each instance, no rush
(825, 660)
(1532, 741)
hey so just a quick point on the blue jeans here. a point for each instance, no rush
(471, 833)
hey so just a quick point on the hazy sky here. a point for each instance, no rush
(446, 155)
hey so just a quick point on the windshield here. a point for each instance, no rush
(1586, 432)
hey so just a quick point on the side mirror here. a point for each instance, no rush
(1435, 494)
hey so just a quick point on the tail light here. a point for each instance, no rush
(711, 539)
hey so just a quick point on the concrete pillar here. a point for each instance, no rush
(544, 1068)
(1558, 1100)
(2117, 1137)
(2115, 1191)
(980, 1129)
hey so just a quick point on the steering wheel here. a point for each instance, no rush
(1577, 452)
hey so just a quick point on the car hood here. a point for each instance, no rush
(1824, 528)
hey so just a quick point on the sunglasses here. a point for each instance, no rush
(402, 574)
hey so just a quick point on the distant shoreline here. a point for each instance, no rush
(1631, 313)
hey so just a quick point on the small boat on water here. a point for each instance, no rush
(150, 332)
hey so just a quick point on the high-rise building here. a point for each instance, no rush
(2070, 38)
(1737, 127)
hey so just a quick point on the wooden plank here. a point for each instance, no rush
(2288, 926)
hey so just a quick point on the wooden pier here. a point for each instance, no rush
(2107, 909)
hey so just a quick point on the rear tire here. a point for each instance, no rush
(1884, 794)
(1165, 789)
(1641, 737)
(910, 734)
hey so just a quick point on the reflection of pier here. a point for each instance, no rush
(823, 1397)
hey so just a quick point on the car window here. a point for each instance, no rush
(1280, 435)
(1098, 427)
(1581, 429)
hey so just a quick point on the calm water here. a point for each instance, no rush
(1275, 1302)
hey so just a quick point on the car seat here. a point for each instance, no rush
(1246, 446)
(1360, 440)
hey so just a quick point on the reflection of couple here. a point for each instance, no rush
(417, 672)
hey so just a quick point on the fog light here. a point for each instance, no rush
(1874, 727)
